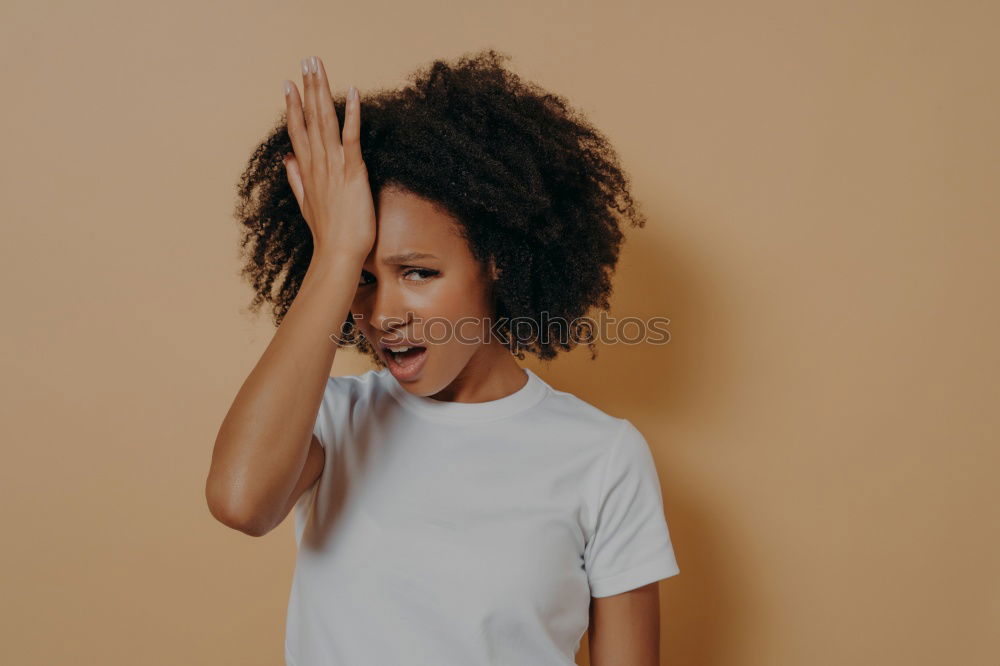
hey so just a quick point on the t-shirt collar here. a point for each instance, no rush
(469, 412)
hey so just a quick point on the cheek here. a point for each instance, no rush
(440, 300)
(464, 297)
(453, 312)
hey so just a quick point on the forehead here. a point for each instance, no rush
(410, 223)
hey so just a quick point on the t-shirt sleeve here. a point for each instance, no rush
(328, 430)
(630, 544)
(323, 417)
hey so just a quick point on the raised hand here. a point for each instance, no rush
(326, 172)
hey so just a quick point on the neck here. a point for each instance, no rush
(492, 373)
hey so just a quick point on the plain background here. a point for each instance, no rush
(821, 184)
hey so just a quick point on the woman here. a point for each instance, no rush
(451, 508)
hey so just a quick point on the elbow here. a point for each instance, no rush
(234, 514)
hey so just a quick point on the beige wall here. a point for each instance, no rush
(821, 185)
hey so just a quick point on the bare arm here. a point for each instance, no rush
(625, 628)
(264, 439)
(265, 454)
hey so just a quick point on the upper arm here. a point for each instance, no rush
(311, 471)
(628, 552)
(629, 542)
(625, 628)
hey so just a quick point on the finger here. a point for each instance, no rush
(328, 122)
(296, 125)
(352, 131)
(294, 179)
(317, 152)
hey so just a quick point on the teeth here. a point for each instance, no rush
(399, 350)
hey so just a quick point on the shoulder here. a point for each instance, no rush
(345, 397)
(353, 387)
(584, 417)
(614, 444)
(605, 439)
(608, 445)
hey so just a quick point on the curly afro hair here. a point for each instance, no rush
(535, 187)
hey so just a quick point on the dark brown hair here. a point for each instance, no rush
(534, 185)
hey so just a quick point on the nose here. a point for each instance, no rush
(388, 314)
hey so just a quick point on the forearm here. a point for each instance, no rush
(263, 441)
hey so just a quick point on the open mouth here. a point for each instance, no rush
(404, 361)
(403, 353)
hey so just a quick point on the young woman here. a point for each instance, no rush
(451, 508)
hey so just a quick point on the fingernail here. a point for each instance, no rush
(288, 87)
(314, 61)
(305, 67)
(352, 93)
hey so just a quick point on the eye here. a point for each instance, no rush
(423, 275)
(425, 272)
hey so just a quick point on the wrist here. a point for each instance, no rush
(337, 256)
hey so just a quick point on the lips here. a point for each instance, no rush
(384, 346)
(411, 350)
(405, 366)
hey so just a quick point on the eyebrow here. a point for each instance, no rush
(406, 257)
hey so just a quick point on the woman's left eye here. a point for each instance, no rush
(424, 272)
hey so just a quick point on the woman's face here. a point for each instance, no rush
(420, 286)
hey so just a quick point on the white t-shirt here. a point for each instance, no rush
(467, 534)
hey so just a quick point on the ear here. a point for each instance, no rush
(493, 270)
